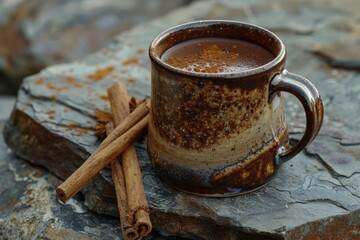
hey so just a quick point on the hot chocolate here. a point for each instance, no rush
(216, 55)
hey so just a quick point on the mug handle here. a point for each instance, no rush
(311, 101)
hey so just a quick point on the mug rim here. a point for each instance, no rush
(203, 23)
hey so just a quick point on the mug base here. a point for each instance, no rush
(215, 192)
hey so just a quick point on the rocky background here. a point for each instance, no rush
(316, 195)
(39, 33)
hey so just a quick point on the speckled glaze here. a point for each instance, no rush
(223, 134)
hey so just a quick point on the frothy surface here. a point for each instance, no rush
(216, 55)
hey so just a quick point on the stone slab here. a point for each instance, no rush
(30, 210)
(53, 125)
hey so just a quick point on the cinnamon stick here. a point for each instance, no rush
(137, 203)
(140, 112)
(127, 229)
(138, 209)
(143, 222)
(102, 157)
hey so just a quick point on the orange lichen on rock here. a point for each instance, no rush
(51, 114)
(140, 51)
(72, 81)
(81, 131)
(104, 97)
(57, 87)
(26, 105)
(101, 73)
(72, 126)
(131, 81)
(77, 129)
(39, 81)
(130, 61)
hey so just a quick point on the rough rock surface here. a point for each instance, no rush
(315, 195)
(39, 33)
(30, 210)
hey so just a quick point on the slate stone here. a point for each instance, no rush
(341, 50)
(53, 122)
(30, 210)
(39, 33)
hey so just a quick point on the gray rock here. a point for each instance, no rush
(30, 210)
(39, 33)
(311, 195)
(339, 51)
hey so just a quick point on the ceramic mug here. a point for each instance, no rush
(224, 134)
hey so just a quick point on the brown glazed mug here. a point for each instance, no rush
(224, 134)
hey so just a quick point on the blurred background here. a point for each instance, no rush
(38, 33)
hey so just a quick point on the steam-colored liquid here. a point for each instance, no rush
(216, 55)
